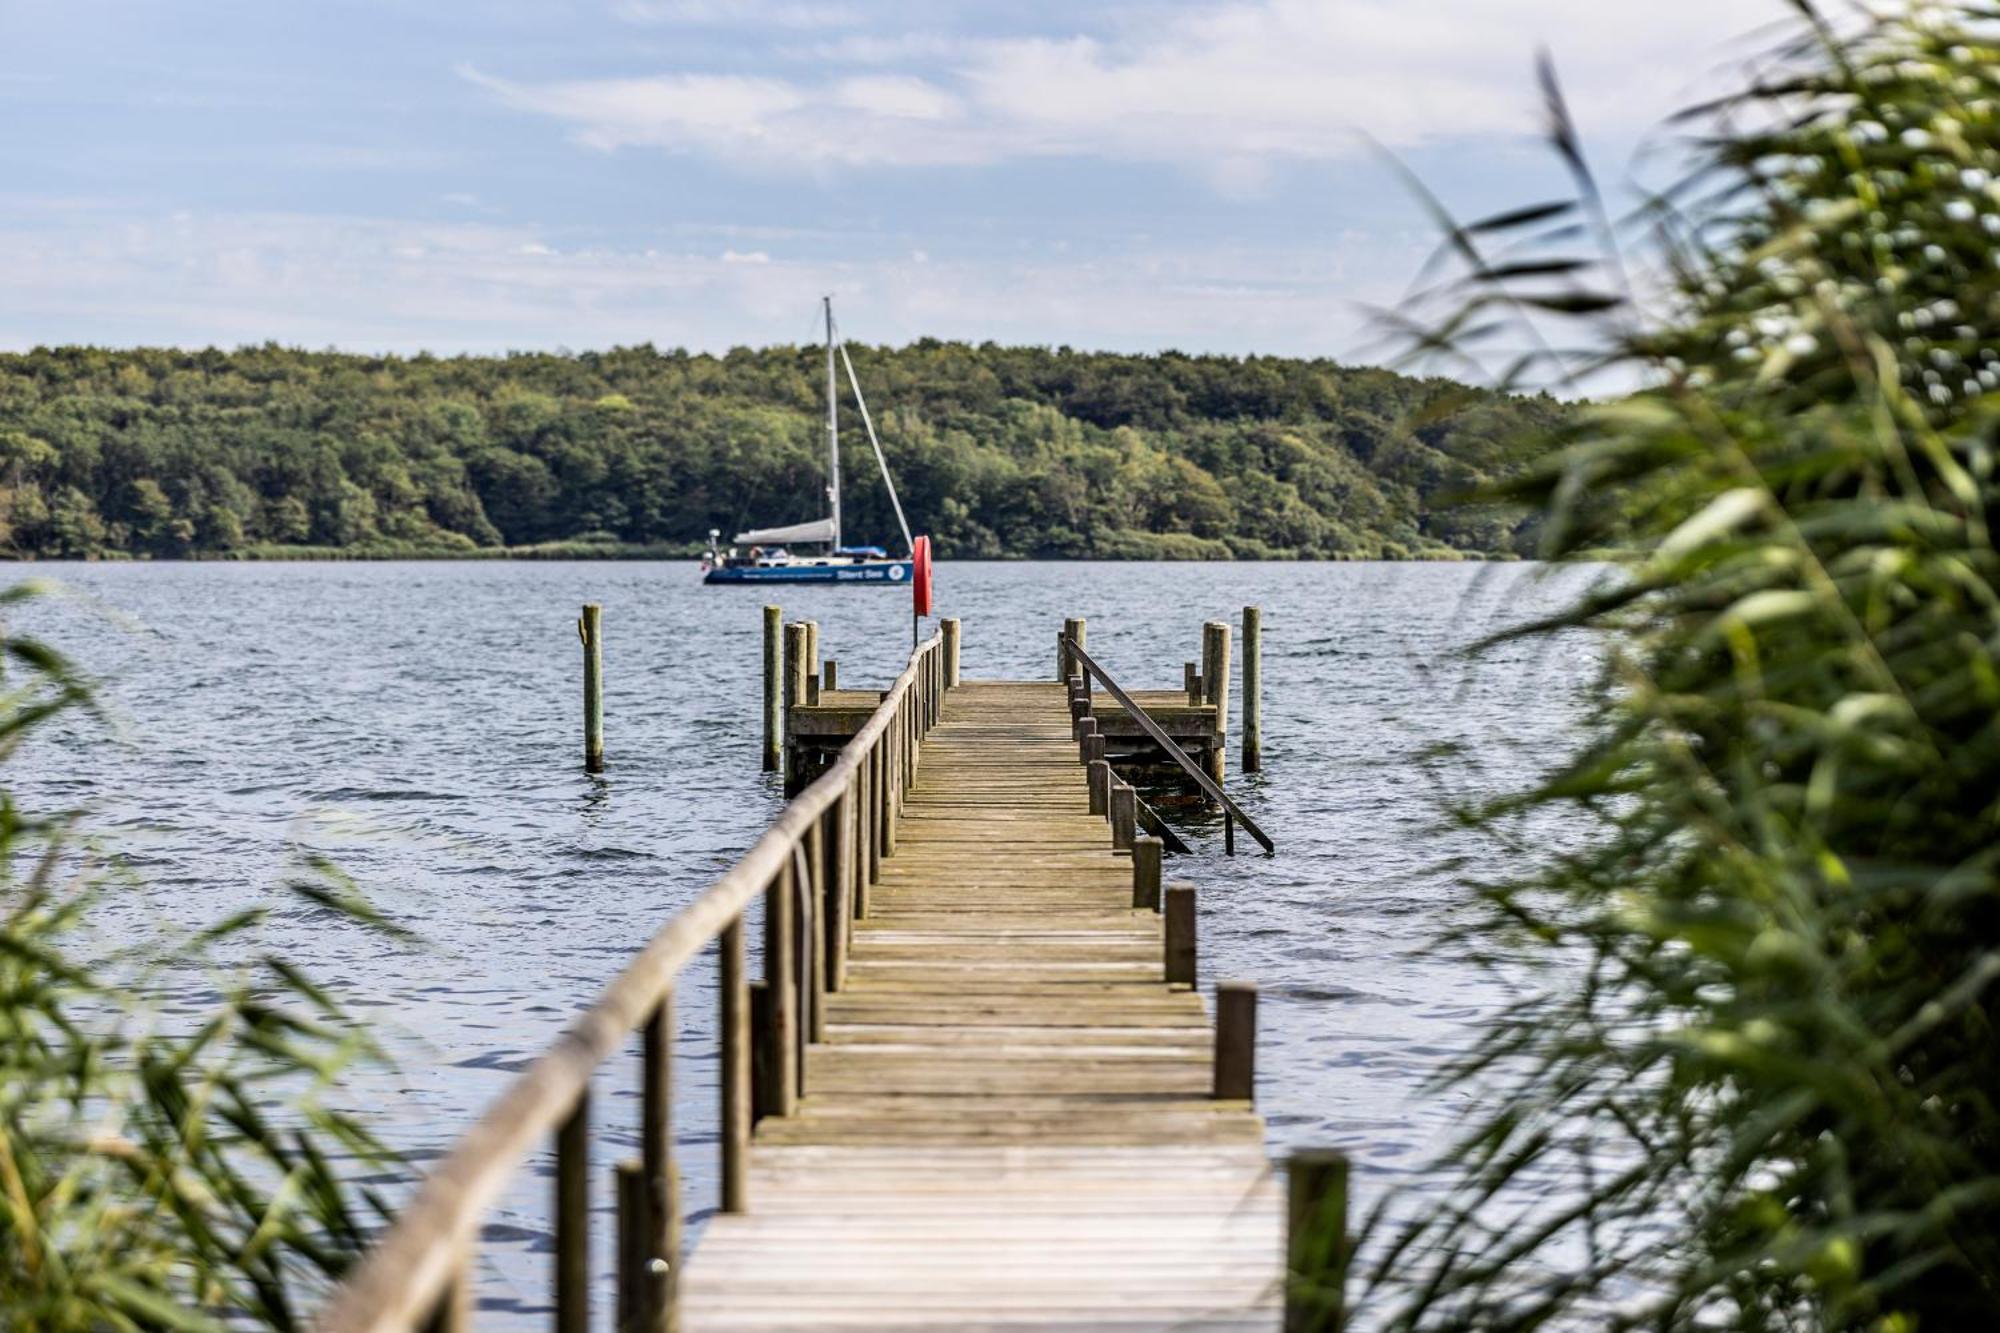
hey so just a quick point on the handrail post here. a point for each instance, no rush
(1124, 815)
(812, 932)
(735, 1074)
(1180, 931)
(951, 630)
(572, 1219)
(1100, 787)
(839, 904)
(662, 1279)
(1318, 1248)
(1215, 690)
(1146, 857)
(780, 979)
(628, 1183)
(1235, 1041)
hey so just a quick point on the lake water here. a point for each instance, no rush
(420, 723)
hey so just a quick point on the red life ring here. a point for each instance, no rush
(920, 583)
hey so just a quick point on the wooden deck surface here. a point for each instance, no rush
(1010, 1124)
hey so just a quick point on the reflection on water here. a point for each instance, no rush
(421, 724)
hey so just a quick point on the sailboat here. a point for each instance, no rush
(764, 555)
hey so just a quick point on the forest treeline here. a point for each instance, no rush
(997, 452)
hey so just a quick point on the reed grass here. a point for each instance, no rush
(1753, 1084)
(157, 1171)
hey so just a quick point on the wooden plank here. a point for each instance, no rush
(1011, 1120)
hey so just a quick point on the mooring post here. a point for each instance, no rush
(774, 621)
(1146, 853)
(590, 629)
(951, 652)
(812, 663)
(791, 670)
(829, 676)
(1124, 815)
(1253, 689)
(1235, 1041)
(1100, 787)
(1180, 947)
(1191, 681)
(1317, 1246)
(1215, 690)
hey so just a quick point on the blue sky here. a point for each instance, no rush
(477, 175)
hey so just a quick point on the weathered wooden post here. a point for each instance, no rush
(1075, 628)
(829, 676)
(1093, 749)
(812, 663)
(1146, 854)
(1317, 1246)
(1253, 689)
(950, 652)
(1180, 947)
(735, 1073)
(1082, 730)
(1124, 815)
(781, 981)
(1215, 690)
(661, 1281)
(1235, 1041)
(572, 1219)
(792, 672)
(628, 1179)
(1100, 787)
(1191, 682)
(774, 621)
(590, 629)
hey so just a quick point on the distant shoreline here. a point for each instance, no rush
(664, 554)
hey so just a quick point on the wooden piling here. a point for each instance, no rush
(774, 620)
(1215, 690)
(1100, 786)
(1191, 681)
(572, 1219)
(591, 629)
(1081, 730)
(1146, 856)
(1124, 815)
(829, 676)
(950, 652)
(812, 663)
(1180, 943)
(1093, 751)
(1318, 1248)
(735, 1076)
(1235, 1041)
(1253, 689)
(1075, 628)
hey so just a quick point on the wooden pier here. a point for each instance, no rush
(976, 1088)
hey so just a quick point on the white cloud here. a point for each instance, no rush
(763, 14)
(381, 285)
(1226, 89)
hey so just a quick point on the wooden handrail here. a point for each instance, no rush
(1165, 742)
(412, 1266)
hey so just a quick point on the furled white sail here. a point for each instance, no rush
(819, 530)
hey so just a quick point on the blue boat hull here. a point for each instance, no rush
(895, 573)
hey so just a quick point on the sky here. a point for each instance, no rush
(484, 175)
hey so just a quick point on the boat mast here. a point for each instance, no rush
(832, 428)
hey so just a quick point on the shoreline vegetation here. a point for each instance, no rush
(274, 453)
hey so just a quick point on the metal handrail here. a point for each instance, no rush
(412, 1266)
(1166, 742)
